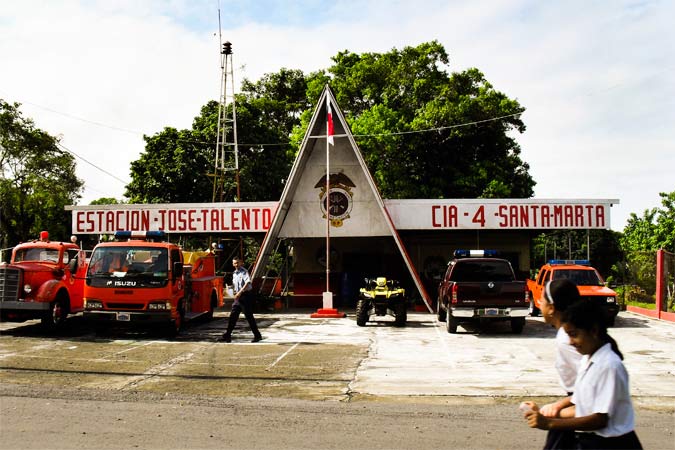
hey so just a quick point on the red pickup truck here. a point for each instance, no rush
(478, 287)
(588, 280)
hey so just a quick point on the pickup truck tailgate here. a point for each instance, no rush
(491, 293)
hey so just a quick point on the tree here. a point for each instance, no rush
(603, 252)
(268, 111)
(106, 201)
(654, 230)
(173, 169)
(38, 180)
(407, 91)
(665, 223)
(176, 164)
(642, 237)
(391, 99)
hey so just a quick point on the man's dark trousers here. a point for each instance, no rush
(246, 304)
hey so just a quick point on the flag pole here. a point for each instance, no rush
(328, 311)
(327, 197)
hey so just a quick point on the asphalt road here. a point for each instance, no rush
(308, 384)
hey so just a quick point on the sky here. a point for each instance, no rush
(596, 77)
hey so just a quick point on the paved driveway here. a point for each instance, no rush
(326, 359)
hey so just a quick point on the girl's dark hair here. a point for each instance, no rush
(588, 314)
(561, 293)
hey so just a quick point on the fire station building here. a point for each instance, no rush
(331, 212)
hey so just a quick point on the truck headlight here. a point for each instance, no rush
(27, 288)
(90, 303)
(611, 299)
(367, 295)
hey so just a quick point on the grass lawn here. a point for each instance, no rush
(644, 305)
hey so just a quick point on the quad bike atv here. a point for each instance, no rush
(381, 297)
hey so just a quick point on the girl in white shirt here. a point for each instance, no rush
(601, 410)
(557, 297)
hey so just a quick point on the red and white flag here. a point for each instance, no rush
(329, 125)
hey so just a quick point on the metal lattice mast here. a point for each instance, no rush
(227, 150)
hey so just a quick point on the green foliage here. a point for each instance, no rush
(106, 201)
(409, 90)
(636, 296)
(38, 180)
(654, 230)
(381, 94)
(604, 248)
(267, 112)
(638, 268)
(176, 164)
(665, 222)
(173, 169)
(642, 237)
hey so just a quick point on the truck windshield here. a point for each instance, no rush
(129, 262)
(37, 254)
(579, 277)
(467, 270)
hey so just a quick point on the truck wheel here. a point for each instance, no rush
(451, 323)
(517, 325)
(440, 312)
(534, 311)
(401, 311)
(57, 314)
(361, 313)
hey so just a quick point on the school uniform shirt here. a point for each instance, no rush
(566, 361)
(602, 387)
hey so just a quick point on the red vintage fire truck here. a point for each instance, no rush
(142, 279)
(44, 280)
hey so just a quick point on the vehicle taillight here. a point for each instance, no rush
(527, 296)
(454, 293)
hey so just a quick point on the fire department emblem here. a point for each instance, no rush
(339, 198)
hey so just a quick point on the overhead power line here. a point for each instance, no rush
(467, 124)
(70, 116)
(91, 163)
(396, 133)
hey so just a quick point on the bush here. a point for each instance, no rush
(636, 296)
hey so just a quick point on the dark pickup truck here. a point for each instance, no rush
(477, 287)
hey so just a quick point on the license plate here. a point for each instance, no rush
(123, 316)
(491, 311)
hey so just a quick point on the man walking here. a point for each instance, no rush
(243, 299)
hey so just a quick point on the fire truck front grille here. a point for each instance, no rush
(125, 306)
(10, 284)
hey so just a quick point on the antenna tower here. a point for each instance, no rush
(227, 151)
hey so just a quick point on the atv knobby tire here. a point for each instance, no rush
(362, 312)
(401, 314)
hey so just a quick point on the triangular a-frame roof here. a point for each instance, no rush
(296, 213)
